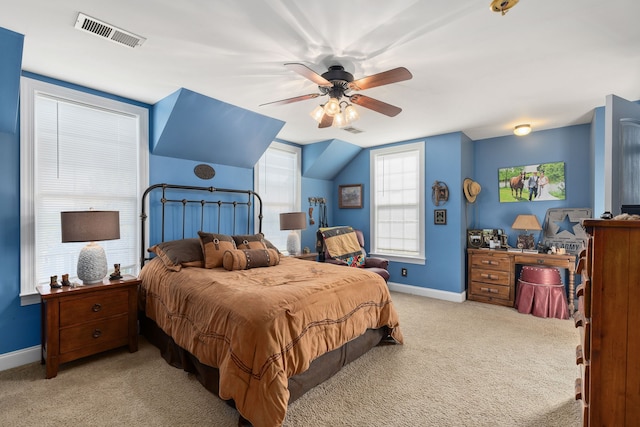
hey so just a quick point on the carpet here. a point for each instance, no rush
(463, 364)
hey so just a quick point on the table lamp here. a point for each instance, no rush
(526, 223)
(90, 226)
(293, 221)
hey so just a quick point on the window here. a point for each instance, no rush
(78, 152)
(397, 202)
(277, 181)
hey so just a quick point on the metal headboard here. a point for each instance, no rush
(184, 197)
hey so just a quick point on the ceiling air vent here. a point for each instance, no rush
(353, 130)
(107, 31)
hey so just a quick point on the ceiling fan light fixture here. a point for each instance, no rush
(339, 120)
(317, 113)
(522, 130)
(332, 107)
(351, 114)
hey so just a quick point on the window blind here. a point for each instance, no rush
(81, 156)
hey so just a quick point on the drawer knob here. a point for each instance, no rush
(97, 333)
(489, 276)
(96, 307)
(489, 290)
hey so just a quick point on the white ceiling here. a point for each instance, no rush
(548, 63)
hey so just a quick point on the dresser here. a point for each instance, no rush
(85, 320)
(608, 319)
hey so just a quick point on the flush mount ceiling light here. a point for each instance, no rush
(503, 6)
(522, 130)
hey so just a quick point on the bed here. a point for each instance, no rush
(256, 328)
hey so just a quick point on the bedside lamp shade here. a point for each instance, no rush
(526, 223)
(293, 221)
(90, 226)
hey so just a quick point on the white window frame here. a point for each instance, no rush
(420, 258)
(29, 89)
(276, 236)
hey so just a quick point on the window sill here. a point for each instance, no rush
(399, 258)
(29, 299)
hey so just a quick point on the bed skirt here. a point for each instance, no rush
(320, 370)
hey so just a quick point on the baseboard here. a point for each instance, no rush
(19, 357)
(428, 292)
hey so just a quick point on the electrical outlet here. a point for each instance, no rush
(403, 272)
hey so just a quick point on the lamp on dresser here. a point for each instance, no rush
(293, 221)
(90, 226)
(526, 223)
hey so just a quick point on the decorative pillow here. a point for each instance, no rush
(213, 248)
(342, 243)
(176, 254)
(244, 259)
(250, 241)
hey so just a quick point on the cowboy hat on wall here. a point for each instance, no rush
(471, 189)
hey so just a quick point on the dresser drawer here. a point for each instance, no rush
(93, 306)
(94, 333)
(491, 276)
(491, 261)
(491, 291)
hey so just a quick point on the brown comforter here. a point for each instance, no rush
(264, 325)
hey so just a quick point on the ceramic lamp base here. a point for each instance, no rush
(92, 264)
(293, 243)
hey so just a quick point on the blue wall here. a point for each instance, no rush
(571, 145)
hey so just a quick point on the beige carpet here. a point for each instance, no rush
(468, 364)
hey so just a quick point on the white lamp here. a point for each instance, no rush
(90, 226)
(522, 130)
(293, 221)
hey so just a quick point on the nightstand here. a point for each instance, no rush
(85, 320)
(313, 256)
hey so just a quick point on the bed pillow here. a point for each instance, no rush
(342, 243)
(253, 241)
(244, 259)
(176, 254)
(213, 248)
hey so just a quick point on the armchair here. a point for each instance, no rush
(374, 264)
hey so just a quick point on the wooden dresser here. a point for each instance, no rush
(608, 318)
(85, 320)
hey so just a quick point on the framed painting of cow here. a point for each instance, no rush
(532, 183)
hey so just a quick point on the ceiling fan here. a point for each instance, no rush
(338, 83)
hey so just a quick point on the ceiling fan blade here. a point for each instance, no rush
(326, 121)
(294, 99)
(375, 105)
(387, 77)
(308, 73)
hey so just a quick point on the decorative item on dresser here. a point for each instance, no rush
(608, 318)
(85, 320)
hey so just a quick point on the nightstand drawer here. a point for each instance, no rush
(94, 306)
(94, 334)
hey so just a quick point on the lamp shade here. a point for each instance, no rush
(526, 222)
(90, 226)
(293, 221)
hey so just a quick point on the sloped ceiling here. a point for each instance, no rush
(191, 126)
(324, 160)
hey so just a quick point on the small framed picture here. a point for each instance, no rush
(350, 196)
(440, 216)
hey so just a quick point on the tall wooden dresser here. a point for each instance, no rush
(608, 318)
